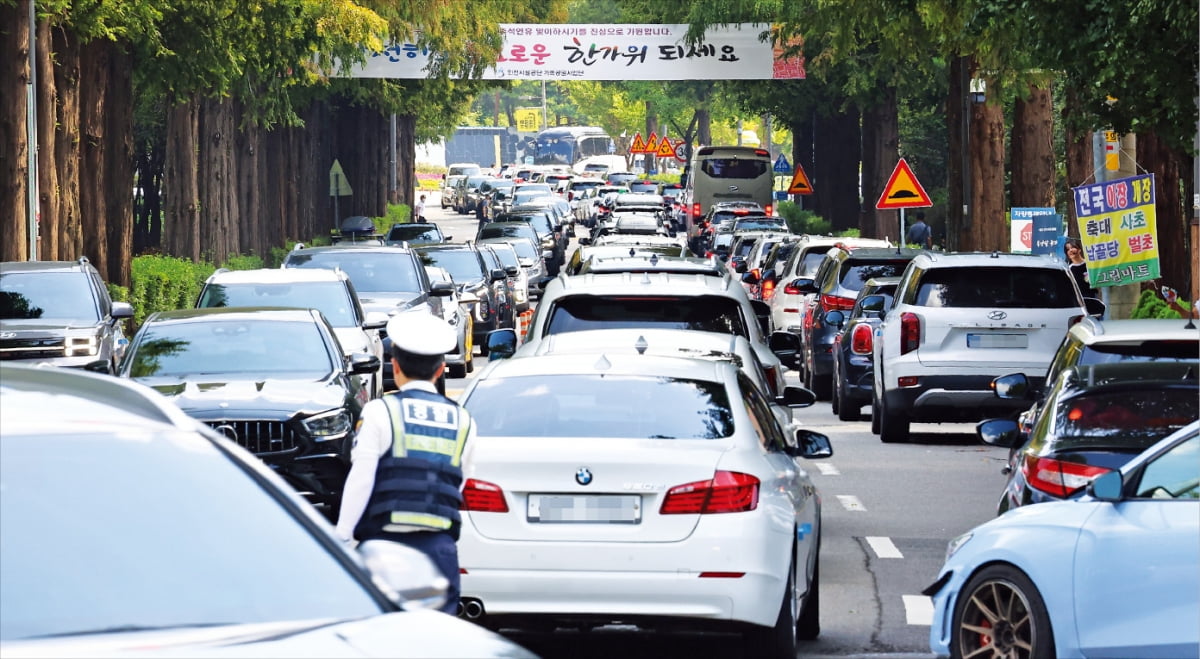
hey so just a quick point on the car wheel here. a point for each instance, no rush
(835, 401)
(893, 424)
(778, 642)
(483, 351)
(456, 370)
(874, 414)
(822, 386)
(470, 360)
(847, 410)
(808, 626)
(1001, 614)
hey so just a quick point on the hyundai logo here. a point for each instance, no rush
(733, 188)
(228, 431)
(8, 335)
(583, 475)
(997, 315)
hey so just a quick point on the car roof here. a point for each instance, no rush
(447, 247)
(931, 259)
(610, 363)
(46, 266)
(648, 340)
(277, 275)
(636, 239)
(643, 283)
(855, 253)
(272, 314)
(352, 247)
(654, 263)
(1092, 330)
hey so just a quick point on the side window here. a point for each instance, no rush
(1174, 474)
(906, 291)
(769, 433)
(827, 263)
(1067, 355)
(100, 292)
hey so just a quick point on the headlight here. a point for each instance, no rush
(482, 310)
(328, 425)
(80, 346)
(957, 544)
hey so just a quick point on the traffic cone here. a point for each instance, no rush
(523, 323)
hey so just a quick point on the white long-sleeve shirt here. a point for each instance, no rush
(371, 442)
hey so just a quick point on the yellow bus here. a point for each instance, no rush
(726, 173)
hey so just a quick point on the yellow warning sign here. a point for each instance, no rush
(639, 145)
(800, 183)
(903, 190)
(665, 150)
(652, 144)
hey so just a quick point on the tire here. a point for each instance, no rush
(835, 401)
(778, 642)
(822, 386)
(808, 626)
(874, 415)
(846, 410)
(471, 361)
(483, 351)
(456, 370)
(986, 610)
(893, 424)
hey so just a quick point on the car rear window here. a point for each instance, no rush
(330, 298)
(734, 167)
(1132, 418)
(425, 234)
(1140, 351)
(855, 274)
(997, 287)
(706, 313)
(570, 406)
(371, 272)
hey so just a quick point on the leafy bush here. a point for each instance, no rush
(396, 214)
(1151, 305)
(802, 221)
(243, 262)
(163, 283)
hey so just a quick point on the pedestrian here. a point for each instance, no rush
(919, 233)
(410, 453)
(419, 211)
(1078, 266)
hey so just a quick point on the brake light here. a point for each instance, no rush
(726, 492)
(483, 497)
(861, 339)
(808, 316)
(910, 332)
(831, 302)
(755, 272)
(769, 209)
(1073, 320)
(1057, 477)
(762, 152)
(768, 289)
(791, 289)
(695, 210)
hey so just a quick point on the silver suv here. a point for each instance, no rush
(59, 313)
(957, 322)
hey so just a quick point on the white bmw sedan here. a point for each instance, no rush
(638, 489)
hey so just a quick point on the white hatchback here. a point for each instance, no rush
(615, 487)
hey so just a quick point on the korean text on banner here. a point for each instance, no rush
(607, 52)
(1034, 230)
(1117, 225)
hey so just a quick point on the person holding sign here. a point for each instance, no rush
(1078, 266)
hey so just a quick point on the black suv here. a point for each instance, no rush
(550, 237)
(415, 233)
(271, 379)
(470, 272)
(59, 313)
(835, 286)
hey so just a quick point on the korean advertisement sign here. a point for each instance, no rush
(1034, 230)
(609, 52)
(1117, 229)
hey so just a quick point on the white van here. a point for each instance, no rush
(463, 169)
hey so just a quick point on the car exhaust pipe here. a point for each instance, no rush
(472, 609)
(458, 610)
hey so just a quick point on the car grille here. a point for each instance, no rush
(32, 348)
(259, 436)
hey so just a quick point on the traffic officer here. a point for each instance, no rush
(410, 453)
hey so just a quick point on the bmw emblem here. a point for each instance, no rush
(997, 315)
(583, 475)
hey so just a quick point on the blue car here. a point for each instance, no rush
(1113, 574)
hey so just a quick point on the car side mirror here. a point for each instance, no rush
(835, 318)
(1107, 486)
(446, 239)
(1094, 307)
(497, 274)
(803, 285)
(122, 310)
(362, 363)
(404, 574)
(739, 266)
(785, 346)
(98, 366)
(511, 270)
(797, 397)
(811, 445)
(501, 343)
(441, 289)
(1004, 433)
(375, 320)
(750, 278)
(1014, 386)
(873, 305)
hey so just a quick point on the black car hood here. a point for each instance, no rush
(226, 397)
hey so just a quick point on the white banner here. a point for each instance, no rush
(610, 52)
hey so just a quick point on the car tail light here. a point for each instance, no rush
(755, 272)
(772, 378)
(722, 575)
(791, 290)
(483, 497)
(769, 209)
(768, 289)
(807, 323)
(1073, 320)
(1057, 477)
(727, 492)
(860, 339)
(907, 381)
(695, 210)
(831, 302)
(910, 332)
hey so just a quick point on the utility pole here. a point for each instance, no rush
(31, 187)
(545, 115)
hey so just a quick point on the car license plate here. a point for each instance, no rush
(585, 508)
(997, 341)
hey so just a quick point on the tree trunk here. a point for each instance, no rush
(14, 154)
(118, 157)
(956, 100)
(834, 173)
(1033, 163)
(65, 223)
(93, 68)
(252, 223)
(703, 127)
(1079, 156)
(987, 230)
(881, 154)
(218, 176)
(406, 152)
(181, 192)
(1172, 224)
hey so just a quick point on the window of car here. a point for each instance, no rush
(45, 295)
(706, 313)
(464, 265)
(856, 273)
(511, 231)
(734, 167)
(371, 272)
(759, 410)
(426, 233)
(331, 298)
(997, 287)
(236, 346)
(1132, 418)
(1173, 474)
(582, 406)
(490, 259)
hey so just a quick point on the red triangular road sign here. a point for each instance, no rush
(651, 144)
(903, 190)
(638, 145)
(800, 183)
(665, 150)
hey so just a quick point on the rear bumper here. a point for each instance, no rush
(953, 398)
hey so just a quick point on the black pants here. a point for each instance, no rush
(441, 548)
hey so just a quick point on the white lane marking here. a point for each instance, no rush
(827, 469)
(884, 547)
(918, 609)
(851, 503)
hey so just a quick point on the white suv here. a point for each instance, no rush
(957, 322)
(786, 303)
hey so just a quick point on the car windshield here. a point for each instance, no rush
(506, 254)
(997, 287)
(706, 313)
(734, 167)
(371, 272)
(511, 231)
(47, 295)
(463, 264)
(1133, 419)
(260, 348)
(856, 273)
(134, 529)
(582, 406)
(524, 249)
(413, 233)
(331, 298)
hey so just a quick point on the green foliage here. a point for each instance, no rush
(1151, 305)
(243, 262)
(396, 214)
(802, 221)
(161, 283)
